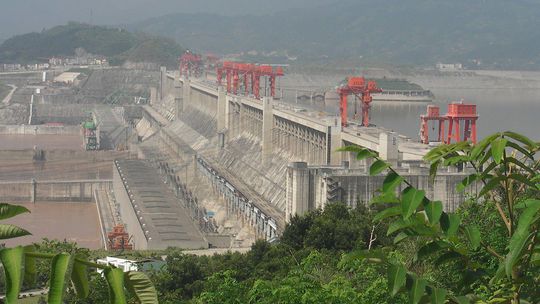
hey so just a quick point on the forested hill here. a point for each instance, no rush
(117, 45)
(496, 33)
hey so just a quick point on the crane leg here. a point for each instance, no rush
(343, 109)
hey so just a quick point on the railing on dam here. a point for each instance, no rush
(264, 225)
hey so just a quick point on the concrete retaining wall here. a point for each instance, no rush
(52, 155)
(39, 130)
(51, 191)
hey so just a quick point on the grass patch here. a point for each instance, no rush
(84, 71)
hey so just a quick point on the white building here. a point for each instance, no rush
(67, 77)
(130, 265)
(449, 66)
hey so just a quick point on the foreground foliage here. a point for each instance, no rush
(20, 265)
(506, 173)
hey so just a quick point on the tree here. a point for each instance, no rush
(505, 166)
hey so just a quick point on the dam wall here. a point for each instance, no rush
(250, 143)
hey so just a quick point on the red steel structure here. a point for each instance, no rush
(433, 114)
(458, 112)
(119, 239)
(249, 76)
(191, 65)
(360, 88)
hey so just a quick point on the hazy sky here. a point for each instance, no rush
(21, 16)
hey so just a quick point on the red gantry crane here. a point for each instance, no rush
(360, 88)
(457, 112)
(249, 75)
(119, 239)
(191, 64)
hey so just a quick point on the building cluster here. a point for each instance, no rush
(93, 60)
(16, 67)
(79, 60)
(449, 66)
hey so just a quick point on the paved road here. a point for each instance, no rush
(7, 99)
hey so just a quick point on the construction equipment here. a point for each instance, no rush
(119, 239)
(432, 114)
(90, 135)
(191, 64)
(457, 112)
(249, 76)
(359, 87)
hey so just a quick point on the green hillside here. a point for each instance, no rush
(496, 33)
(116, 44)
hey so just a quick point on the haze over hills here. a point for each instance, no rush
(116, 44)
(495, 33)
(19, 17)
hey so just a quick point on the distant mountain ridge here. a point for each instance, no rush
(118, 45)
(494, 33)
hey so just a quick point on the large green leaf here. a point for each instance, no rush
(8, 210)
(433, 211)
(79, 276)
(417, 290)
(522, 150)
(361, 153)
(523, 179)
(115, 280)
(30, 272)
(522, 235)
(386, 213)
(450, 223)
(438, 296)
(521, 138)
(397, 225)
(497, 149)
(454, 160)
(400, 237)
(410, 200)
(8, 231)
(391, 181)
(57, 282)
(397, 277)
(365, 154)
(466, 182)
(433, 170)
(12, 260)
(492, 184)
(473, 234)
(481, 146)
(141, 286)
(385, 198)
(520, 164)
(377, 167)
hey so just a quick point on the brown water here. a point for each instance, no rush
(42, 141)
(73, 222)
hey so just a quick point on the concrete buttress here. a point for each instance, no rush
(268, 124)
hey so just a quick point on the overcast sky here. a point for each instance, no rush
(22, 16)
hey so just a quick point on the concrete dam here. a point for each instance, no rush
(262, 161)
